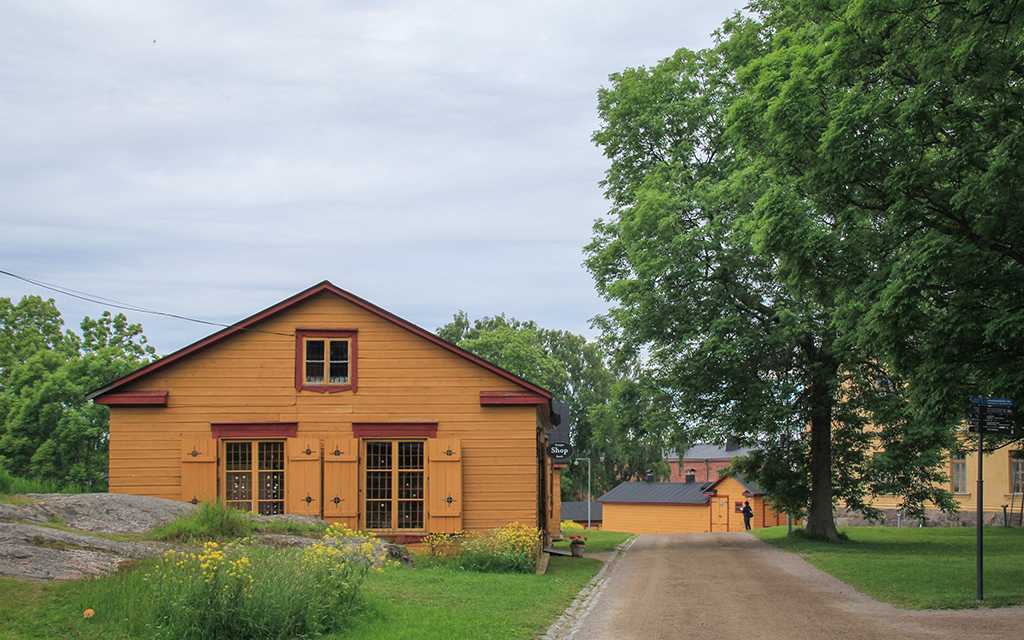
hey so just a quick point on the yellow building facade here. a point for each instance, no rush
(327, 405)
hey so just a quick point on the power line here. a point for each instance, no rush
(88, 297)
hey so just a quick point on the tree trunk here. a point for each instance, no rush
(820, 519)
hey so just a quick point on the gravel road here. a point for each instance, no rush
(727, 586)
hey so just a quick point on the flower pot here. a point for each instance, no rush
(577, 550)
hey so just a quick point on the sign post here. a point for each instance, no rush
(987, 415)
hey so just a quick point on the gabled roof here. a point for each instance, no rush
(289, 303)
(658, 493)
(749, 488)
(708, 452)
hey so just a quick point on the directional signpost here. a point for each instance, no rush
(987, 415)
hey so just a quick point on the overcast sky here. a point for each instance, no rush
(209, 159)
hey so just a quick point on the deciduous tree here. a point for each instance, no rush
(568, 366)
(48, 428)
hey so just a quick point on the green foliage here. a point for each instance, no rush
(891, 132)
(47, 428)
(629, 438)
(14, 485)
(721, 345)
(917, 568)
(436, 603)
(211, 521)
(231, 591)
(814, 239)
(573, 370)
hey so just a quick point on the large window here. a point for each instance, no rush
(325, 360)
(254, 476)
(394, 485)
(958, 473)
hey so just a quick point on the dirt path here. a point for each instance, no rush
(732, 586)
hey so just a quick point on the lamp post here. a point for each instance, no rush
(588, 487)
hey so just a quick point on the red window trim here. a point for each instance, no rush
(300, 359)
(394, 429)
(254, 429)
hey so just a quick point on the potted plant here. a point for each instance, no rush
(576, 545)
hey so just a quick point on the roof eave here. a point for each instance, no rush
(325, 286)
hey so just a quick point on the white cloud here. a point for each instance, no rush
(209, 159)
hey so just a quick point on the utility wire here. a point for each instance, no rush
(88, 297)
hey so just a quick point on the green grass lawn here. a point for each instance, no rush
(918, 568)
(424, 603)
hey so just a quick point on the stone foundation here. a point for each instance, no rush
(933, 518)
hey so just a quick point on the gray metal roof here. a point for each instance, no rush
(708, 452)
(658, 493)
(578, 511)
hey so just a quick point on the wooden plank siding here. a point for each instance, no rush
(655, 518)
(401, 378)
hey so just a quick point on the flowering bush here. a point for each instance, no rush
(570, 525)
(238, 592)
(513, 548)
(444, 545)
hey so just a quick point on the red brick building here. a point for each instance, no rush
(703, 461)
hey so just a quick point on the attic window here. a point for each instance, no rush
(325, 360)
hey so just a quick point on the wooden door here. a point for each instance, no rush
(720, 508)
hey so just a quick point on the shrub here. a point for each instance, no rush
(510, 549)
(227, 592)
(444, 545)
(10, 484)
(211, 521)
(571, 525)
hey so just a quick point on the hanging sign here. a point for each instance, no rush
(559, 451)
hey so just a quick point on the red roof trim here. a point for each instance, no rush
(324, 286)
(511, 398)
(394, 429)
(254, 429)
(133, 399)
(655, 504)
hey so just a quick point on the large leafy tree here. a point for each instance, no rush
(724, 345)
(902, 123)
(47, 429)
(572, 369)
(778, 270)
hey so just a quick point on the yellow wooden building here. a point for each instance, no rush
(685, 507)
(327, 405)
(1003, 485)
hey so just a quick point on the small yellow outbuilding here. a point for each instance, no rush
(686, 507)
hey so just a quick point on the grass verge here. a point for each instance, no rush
(598, 540)
(918, 568)
(400, 603)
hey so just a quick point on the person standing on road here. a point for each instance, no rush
(748, 513)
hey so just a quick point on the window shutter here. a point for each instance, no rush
(198, 469)
(445, 489)
(341, 480)
(302, 479)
